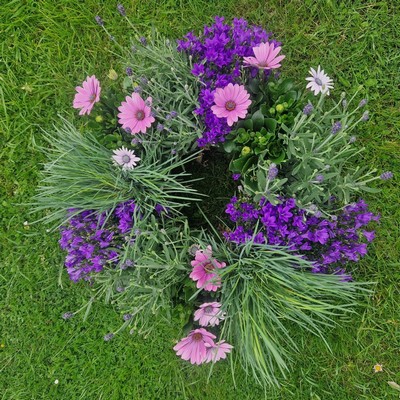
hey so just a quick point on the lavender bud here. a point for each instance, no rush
(99, 20)
(148, 103)
(137, 89)
(337, 126)
(129, 71)
(108, 337)
(352, 139)
(386, 175)
(153, 113)
(319, 178)
(144, 81)
(173, 114)
(143, 41)
(160, 127)
(308, 109)
(133, 49)
(121, 10)
(365, 116)
(120, 289)
(173, 152)
(112, 38)
(272, 172)
(344, 103)
(67, 315)
(127, 317)
(362, 103)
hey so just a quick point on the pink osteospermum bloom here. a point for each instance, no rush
(194, 346)
(87, 95)
(126, 158)
(209, 314)
(218, 351)
(135, 114)
(231, 102)
(266, 57)
(203, 272)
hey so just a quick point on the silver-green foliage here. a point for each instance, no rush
(168, 80)
(80, 174)
(147, 290)
(268, 294)
(321, 162)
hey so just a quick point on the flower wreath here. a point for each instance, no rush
(209, 116)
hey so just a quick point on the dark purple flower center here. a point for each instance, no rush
(92, 98)
(208, 309)
(126, 159)
(230, 105)
(140, 115)
(209, 268)
(318, 81)
(197, 337)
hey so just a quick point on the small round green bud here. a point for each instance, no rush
(99, 119)
(280, 108)
(246, 150)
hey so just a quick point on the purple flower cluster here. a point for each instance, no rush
(328, 243)
(217, 57)
(92, 240)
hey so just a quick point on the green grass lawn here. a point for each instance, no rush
(47, 48)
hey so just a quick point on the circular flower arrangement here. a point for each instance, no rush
(211, 189)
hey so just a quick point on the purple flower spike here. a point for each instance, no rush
(386, 175)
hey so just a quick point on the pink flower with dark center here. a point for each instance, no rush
(135, 114)
(209, 314)
(266, 57)
(87, 95)
(218, 351)
(231, 102)
(204, 267)
(194, 347)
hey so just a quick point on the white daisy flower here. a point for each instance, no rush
(126, 158)
(319, 81)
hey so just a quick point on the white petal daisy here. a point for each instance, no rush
(319, 81)
(126, 158)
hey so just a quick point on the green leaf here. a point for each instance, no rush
(229, 146)
(258, 120)
(248, 124)
(270, 124)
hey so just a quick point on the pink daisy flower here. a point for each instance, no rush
(231, 102)
(204, 270)
(194, 347)
(266, 57)
(218, 351)
(135, 114)
(87, 95)
(126, 158)
(209, 314)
